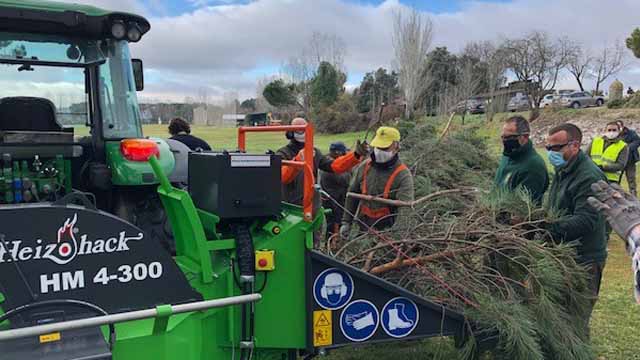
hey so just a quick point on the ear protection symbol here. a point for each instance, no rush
(325, 295)
(335, 283)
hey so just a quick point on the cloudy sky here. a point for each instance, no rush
(228, 45)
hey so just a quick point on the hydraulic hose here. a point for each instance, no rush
(245, 257)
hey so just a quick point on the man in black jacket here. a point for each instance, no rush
(336, 185)
(633, 141)
(180, 130)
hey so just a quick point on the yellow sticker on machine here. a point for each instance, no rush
(322, 331)
(47, 338)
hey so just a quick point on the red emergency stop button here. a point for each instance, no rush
(265, 260)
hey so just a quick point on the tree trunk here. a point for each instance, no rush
(579, 83)
(407, 111)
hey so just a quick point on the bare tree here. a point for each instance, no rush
(536, 61)
(326, 47)
(412, 36)
(302, 67)
(468, 83)
(262, 104)
(610, 61)
(203, 96)
(579, 63)
(495, 60)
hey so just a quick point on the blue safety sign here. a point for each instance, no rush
(333, 289)
(400, 317)
(359, 320)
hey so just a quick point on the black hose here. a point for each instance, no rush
(245, 256)
(68, 302)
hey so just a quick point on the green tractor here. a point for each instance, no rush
(83, 277)
(69, 117)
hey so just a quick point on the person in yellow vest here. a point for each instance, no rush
(383, 175)
(610, 153)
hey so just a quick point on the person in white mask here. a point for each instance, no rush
(383, 175)
(610, 152)
(293, 179)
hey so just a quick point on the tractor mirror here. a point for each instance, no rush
(138, 74)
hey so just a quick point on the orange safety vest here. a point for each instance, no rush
(384, 211)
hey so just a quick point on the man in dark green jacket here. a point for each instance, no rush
(570, 189)
(521, 165)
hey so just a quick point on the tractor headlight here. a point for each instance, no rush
(134, 33)
(118, 30)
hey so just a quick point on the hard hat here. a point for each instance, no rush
(385, 136)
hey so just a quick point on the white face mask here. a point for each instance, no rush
(611, 134)
(383, 156)
(299, 137)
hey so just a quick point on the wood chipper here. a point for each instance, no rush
(245, 283)
(82, 278)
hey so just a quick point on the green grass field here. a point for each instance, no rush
(615, 326)
(227, 138)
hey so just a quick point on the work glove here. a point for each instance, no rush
(362, 149)
(620, 208)
(345, 230)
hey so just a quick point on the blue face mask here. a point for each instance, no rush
(556, 159)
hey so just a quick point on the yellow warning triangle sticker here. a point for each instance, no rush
(322, 321)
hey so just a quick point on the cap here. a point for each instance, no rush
(385, 136)
(338, 146)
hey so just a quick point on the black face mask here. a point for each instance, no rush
(511, 145)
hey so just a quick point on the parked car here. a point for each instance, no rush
(580, 99)
(548, 100)
(475, 105)
(565, 92)
(519, 102)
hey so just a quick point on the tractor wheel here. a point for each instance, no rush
(144, 210)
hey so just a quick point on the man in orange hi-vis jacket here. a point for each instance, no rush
(292, 178)
(384, 176)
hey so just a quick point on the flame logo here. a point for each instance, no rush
(67, 246)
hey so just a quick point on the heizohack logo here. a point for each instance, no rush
(66, 248)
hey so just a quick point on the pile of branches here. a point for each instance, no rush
(482, 253)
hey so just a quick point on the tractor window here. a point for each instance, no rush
(118, 101)
(63, 86)
(53, 67)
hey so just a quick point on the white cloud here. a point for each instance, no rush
(215, 45)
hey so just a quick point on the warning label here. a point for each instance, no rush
(322, 332)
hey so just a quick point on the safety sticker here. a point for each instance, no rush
(359, 320)
(322, 331)
(47, 338)
(250, 160)
(333, 289)
(400, 317)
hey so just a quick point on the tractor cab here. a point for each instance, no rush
(69, 114)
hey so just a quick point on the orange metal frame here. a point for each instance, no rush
(306, 165)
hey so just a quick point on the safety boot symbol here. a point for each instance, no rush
(398, 319)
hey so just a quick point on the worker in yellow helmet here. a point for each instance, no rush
(610, 153)
(383, 175)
